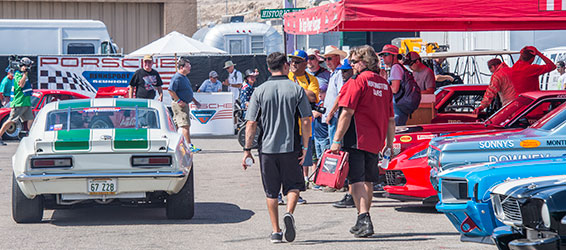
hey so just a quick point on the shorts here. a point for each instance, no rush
(308, 158)
(281, 170)
(363, 166)
(22, 113)
(181, 116)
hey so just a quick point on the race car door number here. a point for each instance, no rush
(102, 186)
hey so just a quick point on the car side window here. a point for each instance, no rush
(463, 102)
(537, 112)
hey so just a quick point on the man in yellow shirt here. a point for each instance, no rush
(298, 74)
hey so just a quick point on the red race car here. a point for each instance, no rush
(408, 174)
(513, 115)
(39, 98)
(455, 103)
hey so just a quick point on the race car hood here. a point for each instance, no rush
(531, 186)
(490, 141)
(101, 141)
(483, 177)
(439, 127)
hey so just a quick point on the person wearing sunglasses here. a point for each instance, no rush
(315, 68)
(365, 123)
(423, 74)
(405, 89)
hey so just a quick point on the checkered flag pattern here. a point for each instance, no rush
(64, 80)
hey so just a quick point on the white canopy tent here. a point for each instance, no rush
(176, 44)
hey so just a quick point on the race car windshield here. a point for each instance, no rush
(509, 111)
(552, 119)
(101, 118)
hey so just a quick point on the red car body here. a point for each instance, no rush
(112, 92)
(506, 117)
(408, 174)
(455, 103)
(39, 98)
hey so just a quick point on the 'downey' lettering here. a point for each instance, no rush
(512, 157)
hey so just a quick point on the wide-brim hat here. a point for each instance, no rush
(316, 53)
(228, 64)
(333, 50)
(389, 48)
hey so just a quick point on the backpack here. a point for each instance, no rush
(409, 95)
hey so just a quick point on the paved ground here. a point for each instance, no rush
(230, 214)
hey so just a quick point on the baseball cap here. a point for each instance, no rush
(316, 53)
(391, 49)
(213, 74)
(411, 58)
(148, 58)
(299, 54)
(345, 66)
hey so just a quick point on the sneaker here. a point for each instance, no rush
(346, 202)
(365, 228)
(301, 201)
(280, 200)
(289, 222)
(317, 187)
(193, 148)
(277, 237)
(2, 143)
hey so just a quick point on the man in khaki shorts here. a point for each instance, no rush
(21, 103)
(182, 94)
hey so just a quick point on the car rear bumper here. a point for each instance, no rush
(170, 182)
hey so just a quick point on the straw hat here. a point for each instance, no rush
(333, 50)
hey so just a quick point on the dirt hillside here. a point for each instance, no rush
(211, 11)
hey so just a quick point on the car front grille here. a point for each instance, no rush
(395, 178)
(511, 209)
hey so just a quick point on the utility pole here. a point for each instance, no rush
(226, 7)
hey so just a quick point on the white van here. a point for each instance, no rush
(54, 37)
(549, 81)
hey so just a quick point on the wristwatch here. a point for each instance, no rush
(247, 149)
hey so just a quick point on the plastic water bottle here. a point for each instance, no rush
(249, 162)
(386, 158)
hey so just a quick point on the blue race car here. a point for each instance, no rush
(464, 190)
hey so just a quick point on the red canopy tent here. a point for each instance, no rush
(426, 15)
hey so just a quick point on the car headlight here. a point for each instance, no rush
(421, 154)
(498, 209)
(545, 214)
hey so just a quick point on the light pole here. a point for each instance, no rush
(226, 7)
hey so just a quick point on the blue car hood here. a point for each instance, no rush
(503, 140)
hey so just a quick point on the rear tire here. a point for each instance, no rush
(13, 132)
(181, 206)
(242, 137)
(25, 210)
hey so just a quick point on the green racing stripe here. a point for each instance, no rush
(81, 103)
(76, 139)
(141, 103)
(131, 138)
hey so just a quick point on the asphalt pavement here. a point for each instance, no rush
(230, 213)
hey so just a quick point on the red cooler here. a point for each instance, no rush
(332, 169)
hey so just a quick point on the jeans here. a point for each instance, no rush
(332, 128)
(401, 116)
(321, 145)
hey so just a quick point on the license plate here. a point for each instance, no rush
(102, 186)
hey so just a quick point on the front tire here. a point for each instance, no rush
(25, 210)
(181, 206)
(13, 132)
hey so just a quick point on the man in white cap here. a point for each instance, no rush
(333, 56)
(234, 81)
(211, 84)
(313, 67)
(145, 81)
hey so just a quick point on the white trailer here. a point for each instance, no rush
(242, 38)
(54, 37)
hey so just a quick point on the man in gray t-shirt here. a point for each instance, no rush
(278, 105)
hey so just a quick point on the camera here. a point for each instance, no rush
(14, 62)
(318, 108)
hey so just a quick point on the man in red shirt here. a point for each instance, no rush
(365, 121)
(525, 74)
(500, 84)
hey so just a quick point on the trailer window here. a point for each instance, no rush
(236, 47)
(80, 48)
(257, 45)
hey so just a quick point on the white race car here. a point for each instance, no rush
(102, 151)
